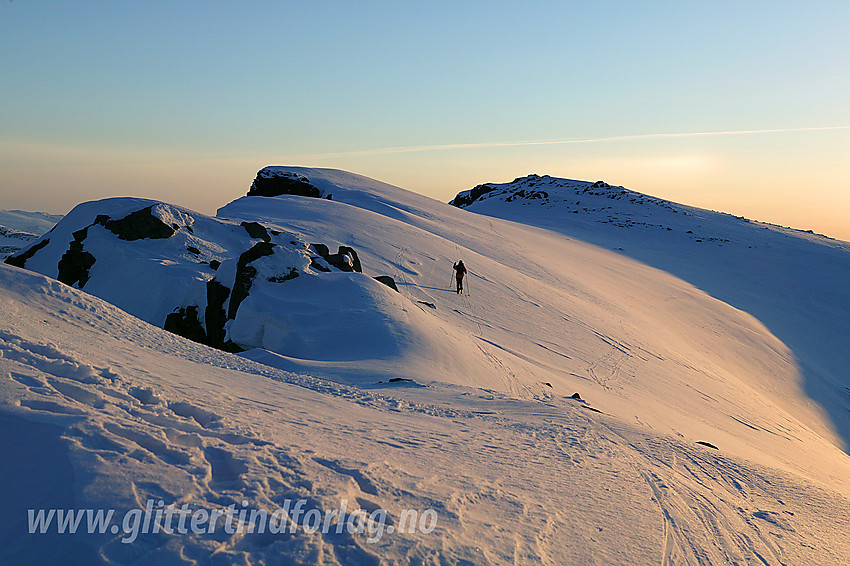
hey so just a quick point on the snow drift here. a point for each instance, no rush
(702, 444)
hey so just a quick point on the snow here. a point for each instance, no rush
(19, 228)
(794, 282)
(37, 223)
(485, 432)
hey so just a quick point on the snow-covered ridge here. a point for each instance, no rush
(217, 282)
(31, 222)
(261, 275)
(793, 281)
(608, 204)
(19, 228)
(13, 240)
(694, 439)
(102, 411)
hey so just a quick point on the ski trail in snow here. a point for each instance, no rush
(707, 505)
(607, 369)
(712, 511)
(509, 379)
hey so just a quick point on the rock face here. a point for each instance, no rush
(257, 230)
(75, 265)
(390, 282)
(245, 274)
(466, 198)
(191, 274)
(184, 321)
(138, 225)
(215, 315)
(271, 183)
(345, 259)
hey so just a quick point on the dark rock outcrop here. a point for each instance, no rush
(257, 230)
(257, 251)
(527, 195)
(272, 183)
(355, 261)
(345, 259)
(468, 197)
(245, 274)
(184, 322)
(20, 260)
(521, 188)
(321, 249)
(388, 281)
(137, 225)
(74, 265)
(214, 315)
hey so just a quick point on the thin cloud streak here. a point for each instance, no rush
(484, 145)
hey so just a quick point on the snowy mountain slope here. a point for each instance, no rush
(224, 284)
(13, 240)
(634, 336)
(37, 223)
(542, 309)
(19, 228)
(135, 414)
(795, 283)
(546, 479)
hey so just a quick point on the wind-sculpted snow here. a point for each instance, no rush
(793, 281)
(99, 410)
(574, 406)
(546, 309)
(212, 281)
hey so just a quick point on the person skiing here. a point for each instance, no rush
(460, 271)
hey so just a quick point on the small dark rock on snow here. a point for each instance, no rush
(388, 281)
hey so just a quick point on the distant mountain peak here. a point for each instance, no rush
(565, 193)
(19, 228)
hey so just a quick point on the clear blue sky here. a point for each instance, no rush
(185, 101)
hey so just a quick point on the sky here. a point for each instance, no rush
(742, 107)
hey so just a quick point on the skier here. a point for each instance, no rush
(460, 271)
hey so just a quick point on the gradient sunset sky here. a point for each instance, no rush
(742, 107)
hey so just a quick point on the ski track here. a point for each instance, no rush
(707, 507)
(517, 476)
(712, 510)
